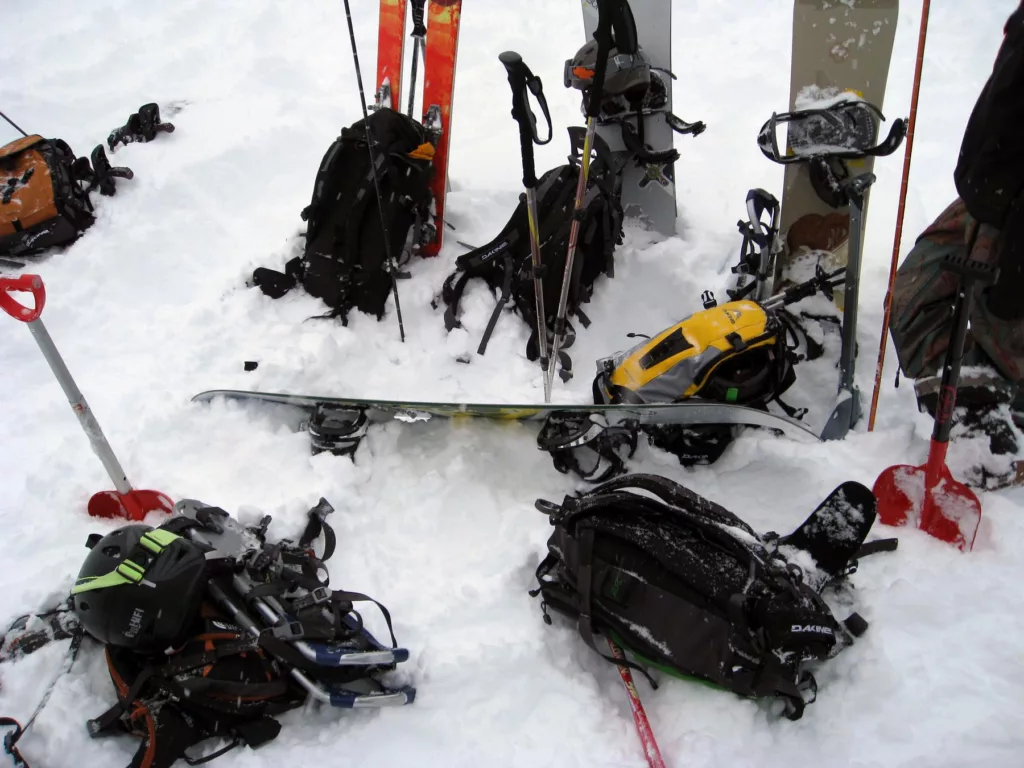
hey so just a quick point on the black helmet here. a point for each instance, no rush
(139, 588)
(628, 75)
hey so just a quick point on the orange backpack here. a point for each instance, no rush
(42, 203)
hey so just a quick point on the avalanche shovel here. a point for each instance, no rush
(125, 501)
(928, 495)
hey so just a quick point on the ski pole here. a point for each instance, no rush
(643, 725)
(918, 66)
(392, 265)
(419, 31)
(606, 9)
(524, 82)
(18, 129)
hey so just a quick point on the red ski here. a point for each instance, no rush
(438, 89)
(390, 50)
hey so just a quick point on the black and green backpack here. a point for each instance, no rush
(686, 587)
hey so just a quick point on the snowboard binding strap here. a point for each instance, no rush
(844, 130)
(587, 445)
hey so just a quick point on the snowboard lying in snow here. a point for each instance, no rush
(687, 413)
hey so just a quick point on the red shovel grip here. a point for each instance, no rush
(28, 284)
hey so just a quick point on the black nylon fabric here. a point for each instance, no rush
(989, 173)
(685, 584)
(218, 684)
(345, 258)
(505, 263)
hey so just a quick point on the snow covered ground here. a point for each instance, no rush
(150, 307)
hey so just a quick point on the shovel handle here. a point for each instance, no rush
(27, 284)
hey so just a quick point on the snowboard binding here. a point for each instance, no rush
(336, 429)
(101, 174)
(761, 246)
(142, 126)
(587, 446)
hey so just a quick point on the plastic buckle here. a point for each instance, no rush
(130, 571)
(290, 631)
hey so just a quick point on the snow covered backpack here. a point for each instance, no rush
(504, 263)
(345, 261)
(687, 587)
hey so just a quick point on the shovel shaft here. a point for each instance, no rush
(81, 408)
(951, 366)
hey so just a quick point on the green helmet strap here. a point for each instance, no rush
(150, 546)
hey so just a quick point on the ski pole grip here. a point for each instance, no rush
(517, 77)
(607, 12)
(418, 27)
(28, 284)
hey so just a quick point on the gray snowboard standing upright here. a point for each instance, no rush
(648, 191)
(837, 47)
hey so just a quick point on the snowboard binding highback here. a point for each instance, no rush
(760, 248)
(101, 174)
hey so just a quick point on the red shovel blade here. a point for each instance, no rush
(949, 510)
(134, 505)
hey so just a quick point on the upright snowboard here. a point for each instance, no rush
(390, 52)
(440, 53)
(648, 192)
(837, 47)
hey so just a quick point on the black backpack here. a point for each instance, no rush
(219, 684)
(505, 263)
(687, 587)
(345, 258)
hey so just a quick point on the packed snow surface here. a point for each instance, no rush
(437, 520)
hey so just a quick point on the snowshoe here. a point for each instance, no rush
(844, 129)
(316, 630)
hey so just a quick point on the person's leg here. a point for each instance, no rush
(1006, 298)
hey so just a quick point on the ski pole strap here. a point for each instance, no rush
(419, 29)
(523, 83)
